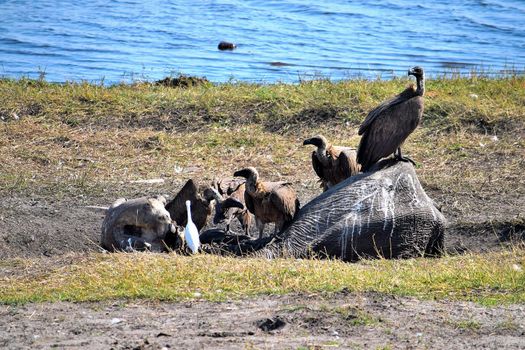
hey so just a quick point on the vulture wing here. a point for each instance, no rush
(177, 206)
(348, 162)
(388, 104)
(390, 129)
(284, 199)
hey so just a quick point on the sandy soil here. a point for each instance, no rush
(365, 321)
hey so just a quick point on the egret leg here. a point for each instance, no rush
(400, 157)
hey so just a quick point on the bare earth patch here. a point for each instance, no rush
(318, 321)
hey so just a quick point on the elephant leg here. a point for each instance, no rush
(436, 243)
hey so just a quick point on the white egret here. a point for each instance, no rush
(191, 234)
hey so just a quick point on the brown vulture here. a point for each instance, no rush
(201, 205)
(269, 201)
(332, 164)
(388, 125)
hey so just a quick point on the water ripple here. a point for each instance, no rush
(278, 40)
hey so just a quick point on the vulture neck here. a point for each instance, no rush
(322, 154)
(251, 183)
(420, 86)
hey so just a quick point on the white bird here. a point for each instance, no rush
(191, 234)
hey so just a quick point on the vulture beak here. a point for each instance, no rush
(308, 142)
(415, 71)
(316, 141)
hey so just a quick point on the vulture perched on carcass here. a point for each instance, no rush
(388, 125)
(332, 164)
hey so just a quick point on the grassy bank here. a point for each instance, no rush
(78, 138)
(489, 279)
(89, 143)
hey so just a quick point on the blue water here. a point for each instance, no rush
(125, 40)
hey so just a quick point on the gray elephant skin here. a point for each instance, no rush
(381, 213)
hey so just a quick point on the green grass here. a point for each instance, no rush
(451, 102)
(488, 279)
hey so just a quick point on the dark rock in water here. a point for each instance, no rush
(225, 45)
(183, 81)
(382, 213)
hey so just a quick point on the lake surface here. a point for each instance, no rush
(278, 40)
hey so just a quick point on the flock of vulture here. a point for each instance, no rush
(382, 133)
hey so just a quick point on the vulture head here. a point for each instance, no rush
(319, 141)
(247, 173)
(417, 72)
(420, 79)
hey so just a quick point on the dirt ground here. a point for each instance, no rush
(343, 320)
(43, 227)
(39, 227)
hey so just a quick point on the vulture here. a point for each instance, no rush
(229, 204)
(269, 201)
(201, 204)
(388, 125)
(332, 164)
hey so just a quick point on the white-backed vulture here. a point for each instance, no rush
(269, 201)
(201, 205)
(332, 164)
(229, 204)
(388, 125)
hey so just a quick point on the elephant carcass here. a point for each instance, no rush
(384, 212)
(137, 224)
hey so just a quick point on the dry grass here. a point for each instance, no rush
(83, 139)
(490, 279)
